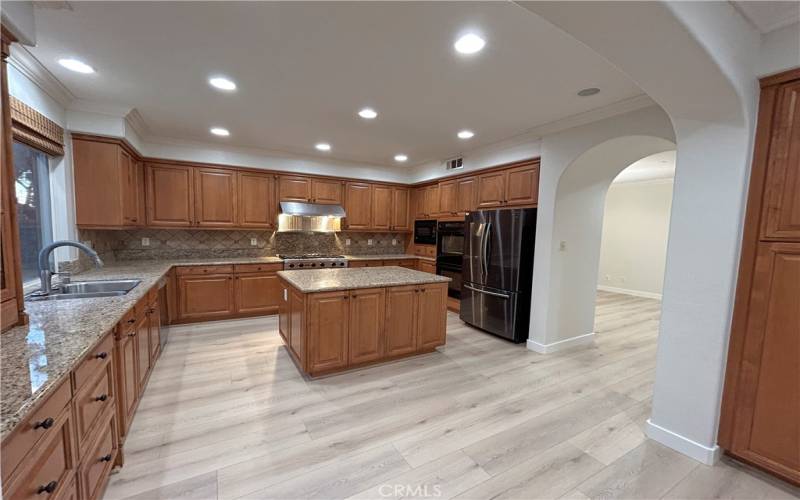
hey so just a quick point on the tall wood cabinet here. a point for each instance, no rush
(760, 418)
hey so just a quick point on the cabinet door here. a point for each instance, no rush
(284, 314)
(256, 200)
(418, 203)
(154, 332)
(367, 309)
(215, 197)
(327, 192)
(258, 293)
(328, 315)
(99, 460)
(448, 197)
(127, 377)
(142, 340)
(357, 205)
(467, 192)
(782, 193)
(129, 192)
(297, 334)
(491, 190)
(170, 195)
(381, 207)
(400, 219)
(294, 188)
(400, 337)
(522, 185)
(99, 183)
(767, 415)
(202, 297)
(431, 316)
(431, 200)
(427, 266)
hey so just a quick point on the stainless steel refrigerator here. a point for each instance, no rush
(497, 271)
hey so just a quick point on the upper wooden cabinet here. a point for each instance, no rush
(215, 196)
(418, 202)
(170, 195)
(109, 191)
(294, 188)
(448, 197)
(256, 200)
(457, 196)
(358, 205)
(400, 209)
(327, 192)
(381, 208)
(431, 202)
(511, 187)
(782, 188)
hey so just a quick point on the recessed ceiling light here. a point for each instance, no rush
(400, 157)
(469, 44)
(222, 83)
(222, 132)
(466, 134)
(588, 92)
(368, 113)
(76, 66)
(323, 146)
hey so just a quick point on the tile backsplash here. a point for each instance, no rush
(197, 243)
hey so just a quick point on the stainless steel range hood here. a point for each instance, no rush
(311, 209)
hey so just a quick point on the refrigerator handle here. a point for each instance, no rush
(485, 251)
(487, 292)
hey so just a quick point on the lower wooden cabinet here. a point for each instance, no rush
(127, 378)
(328, 315)
(401, 327)
(257, 293)
(142, 340)
(205, 297)
(431, 324)
(97, 463)
(365, 342)
(427, 266)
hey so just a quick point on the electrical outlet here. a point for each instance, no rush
(394, 242)
(608, 277)
(562, 246)
(370, 242)
(145, 242)
(347, 242)
(253, 242)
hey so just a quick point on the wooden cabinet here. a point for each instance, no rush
(448, 197)
(142, 340)
(256, 200)
(512, 187)
(326, 191)
(99, 460)
(258, 293)
(418, 203)
(366, 320)
(205, 297)
(127, 374)
(96, 399)
(431, 203)
(381, 208)
(108, 185)
(491, 190)
(467, 189)
(154, 331)
(328, 315)
(294, 188)
(215, 196)
(431, 323)
(401, 325)
(427, 266)
(400, 209)
(170, 195)
(358, 205)
(297, 323)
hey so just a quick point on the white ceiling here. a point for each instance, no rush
(769, 16)
(659, 166)
(305, 69)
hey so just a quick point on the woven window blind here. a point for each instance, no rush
(36, 130)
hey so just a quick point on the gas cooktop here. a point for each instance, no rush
(312, 261)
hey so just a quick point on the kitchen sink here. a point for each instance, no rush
(87, 290)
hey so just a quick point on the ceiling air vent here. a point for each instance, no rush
(455, 163)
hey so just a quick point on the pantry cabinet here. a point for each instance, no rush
(215, 196)
(170, 195)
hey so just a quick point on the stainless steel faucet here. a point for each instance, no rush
(45, 274)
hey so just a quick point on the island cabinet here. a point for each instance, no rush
(336, 330)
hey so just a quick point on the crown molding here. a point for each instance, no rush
(27, 64)
(137, 123)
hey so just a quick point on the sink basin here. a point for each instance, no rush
(87, 290)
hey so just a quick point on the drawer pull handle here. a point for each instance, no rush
(132, 334)
(48, 488)
(106, 458)
(131, 321)
(45, 424)
(102, 397)
(101, 355)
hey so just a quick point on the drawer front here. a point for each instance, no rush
(93, 362)
(409, 263)
(392, 262)
(197, 270)
(98, 461)
(93, 401)
(48, 471)
(257, 268)
(39, 425)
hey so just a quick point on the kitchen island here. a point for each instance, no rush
(337, 319)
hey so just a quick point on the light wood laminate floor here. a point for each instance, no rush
(227, 415)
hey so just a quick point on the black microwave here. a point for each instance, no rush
(425, 232)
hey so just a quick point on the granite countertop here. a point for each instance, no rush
(386, 256)
(325, 280)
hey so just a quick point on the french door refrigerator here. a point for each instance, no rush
(497, 271)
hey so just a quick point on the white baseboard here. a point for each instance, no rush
(636, 293)
(561, 344)
(692, 449)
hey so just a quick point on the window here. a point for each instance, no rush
(32, 185)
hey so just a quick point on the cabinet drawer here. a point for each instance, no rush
(97, 463)
(182, 271)
(256, 268)
(47, 471)
(39, 425)
(425, 250)
(95, 399)
(93, 362)
(394, 262)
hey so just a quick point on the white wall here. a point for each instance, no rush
(633, 251)
(779, 51)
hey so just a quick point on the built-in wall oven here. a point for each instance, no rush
(425, 232)
(450, 254)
